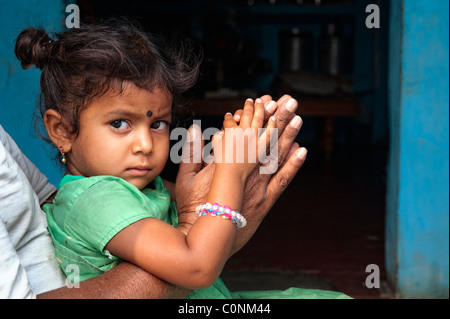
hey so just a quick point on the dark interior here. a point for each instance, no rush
(329, 224)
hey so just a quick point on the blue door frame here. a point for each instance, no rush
(417, 238)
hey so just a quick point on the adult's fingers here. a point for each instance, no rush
(266, 99)
(292, 149)
(282, 100)
(287, 137)
(281, 179)
(285, 111)
(267, 138)
(269, 106)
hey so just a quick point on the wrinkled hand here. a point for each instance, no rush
(261, 190)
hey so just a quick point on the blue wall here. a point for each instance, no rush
(18, 87)
(417, 250)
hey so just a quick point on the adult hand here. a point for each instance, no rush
(261, 190)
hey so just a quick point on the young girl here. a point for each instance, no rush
(114, 142)
(108, 97)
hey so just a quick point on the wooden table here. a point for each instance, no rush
(328, 108)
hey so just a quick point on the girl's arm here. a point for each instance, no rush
(162, 250)
(194, 260)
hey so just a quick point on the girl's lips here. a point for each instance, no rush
(139, 170)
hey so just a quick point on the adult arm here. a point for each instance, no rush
(25, 268)
(124, 281)
(13, 278)
(38, 181)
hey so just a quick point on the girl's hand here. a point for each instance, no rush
(239, 147)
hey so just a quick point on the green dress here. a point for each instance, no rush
(87, 212)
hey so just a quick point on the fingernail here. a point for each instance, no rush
(291, 105)
(271, 107)
(249, 100)
(301, 153)
(237, 117)
(296, 122)
(258, 100)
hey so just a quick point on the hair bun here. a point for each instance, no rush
(33, 48)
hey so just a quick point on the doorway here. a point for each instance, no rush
(329, 224)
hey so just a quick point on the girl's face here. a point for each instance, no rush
(124, 135)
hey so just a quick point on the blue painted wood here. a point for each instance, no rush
(417, 251)
(18, 87)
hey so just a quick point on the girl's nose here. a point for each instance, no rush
(143, 143)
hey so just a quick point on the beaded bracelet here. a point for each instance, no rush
(224, 211)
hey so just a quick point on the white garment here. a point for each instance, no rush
(27, 259)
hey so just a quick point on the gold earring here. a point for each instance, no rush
(63, 159)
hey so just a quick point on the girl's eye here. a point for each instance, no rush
(159, 125)
(120, 124)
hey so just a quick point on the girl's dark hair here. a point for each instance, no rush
(84, 63)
